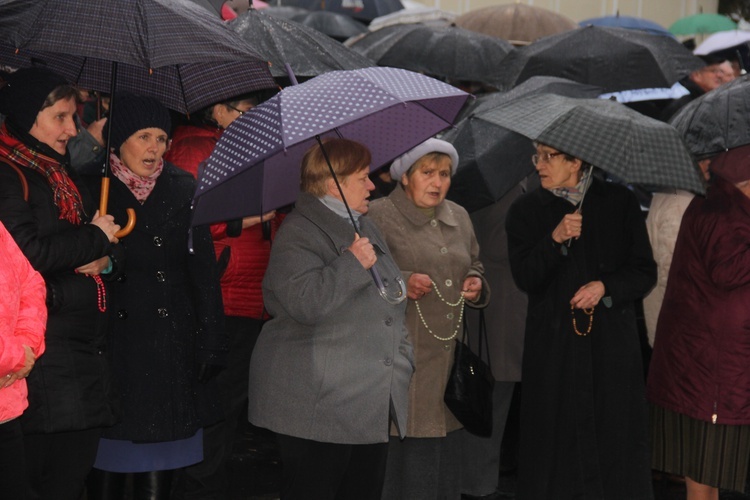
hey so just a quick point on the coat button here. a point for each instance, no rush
(444, 250)
(389, 321)
(122, 278)
(158, 241)
(447, 347)
(122, 314)
(162, 312)
(449, 315)
(161, 277)
(448, 282)
(387, 361)
(433, 223)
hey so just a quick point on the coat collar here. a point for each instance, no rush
(727, 191)
(443, 212)
(338, 228)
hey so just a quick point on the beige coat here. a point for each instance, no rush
(663, 224)
(446, 249)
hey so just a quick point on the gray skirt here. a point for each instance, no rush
(713, 454)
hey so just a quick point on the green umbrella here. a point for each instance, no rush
(702, 24)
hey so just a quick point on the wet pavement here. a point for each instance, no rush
(255, 472)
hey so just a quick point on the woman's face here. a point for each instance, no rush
(143, 151)
(55, 126)
(427, 184)
(356, 188)
(555, 170)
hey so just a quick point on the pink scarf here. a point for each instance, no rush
(141, 187)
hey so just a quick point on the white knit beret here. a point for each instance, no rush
(404, 162)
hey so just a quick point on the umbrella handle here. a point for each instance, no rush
(104, 200)
(401, 294)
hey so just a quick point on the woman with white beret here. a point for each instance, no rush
(432, 241)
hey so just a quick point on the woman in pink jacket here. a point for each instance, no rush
(23, 316)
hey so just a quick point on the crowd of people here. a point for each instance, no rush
(128, 361)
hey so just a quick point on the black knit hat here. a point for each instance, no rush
(133, 113)
(24, 92)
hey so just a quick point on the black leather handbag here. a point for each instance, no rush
(468, 394)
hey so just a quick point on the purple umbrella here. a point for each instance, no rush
(255, 165)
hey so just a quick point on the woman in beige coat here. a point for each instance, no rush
(433, 243)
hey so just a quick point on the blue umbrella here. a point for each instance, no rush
(628, 22)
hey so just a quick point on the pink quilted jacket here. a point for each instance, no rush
(23, 319)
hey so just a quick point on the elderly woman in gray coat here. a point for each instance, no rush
(332, 367)
(433, 243)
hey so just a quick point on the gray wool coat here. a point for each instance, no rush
(334, 360)
(445, 248)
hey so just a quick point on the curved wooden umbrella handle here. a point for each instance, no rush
(104, 200)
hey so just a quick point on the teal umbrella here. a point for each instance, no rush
(702, 24)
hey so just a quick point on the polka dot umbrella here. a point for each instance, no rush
(255, 165)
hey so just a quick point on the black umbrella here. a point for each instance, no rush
(612, 58)
(145, 34)
(443, 51)
(493, 159)
(337, 26)
(366, 10)
(308, 52)
(718, 120)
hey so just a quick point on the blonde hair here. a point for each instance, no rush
(347, 157)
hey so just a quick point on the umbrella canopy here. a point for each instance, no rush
(442, 51)
(255, 165)
(628, 22)
(701, 24)
(631, 146)
(518, 23)
(494, 159)
(333, 24)
(213, 6)
(308, 52)
(202, 62)
(421, 14)
(718, 120)
(285, 11)
(612, 58)
(365, 10)
(723, 40)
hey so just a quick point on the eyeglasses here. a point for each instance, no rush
(544, 157)
(236, 109)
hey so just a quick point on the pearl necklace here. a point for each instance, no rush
(460, 304)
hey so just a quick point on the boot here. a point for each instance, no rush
(104, 485)
(155, 485)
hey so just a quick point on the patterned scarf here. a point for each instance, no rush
(575, 194)
(141, 187)
(65, 193)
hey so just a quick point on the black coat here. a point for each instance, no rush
(167, 315)
(583, 409)
(69, 387)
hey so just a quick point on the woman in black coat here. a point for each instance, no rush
(167, 317)
(583, 410)
(69, 387)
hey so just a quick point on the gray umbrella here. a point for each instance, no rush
(718, 120)
(633, 147)
(494, 159)
(442, 51)
(337, 26)
(281, 41)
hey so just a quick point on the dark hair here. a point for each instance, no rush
(205, 115)
(347, 157)
(63, 92)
